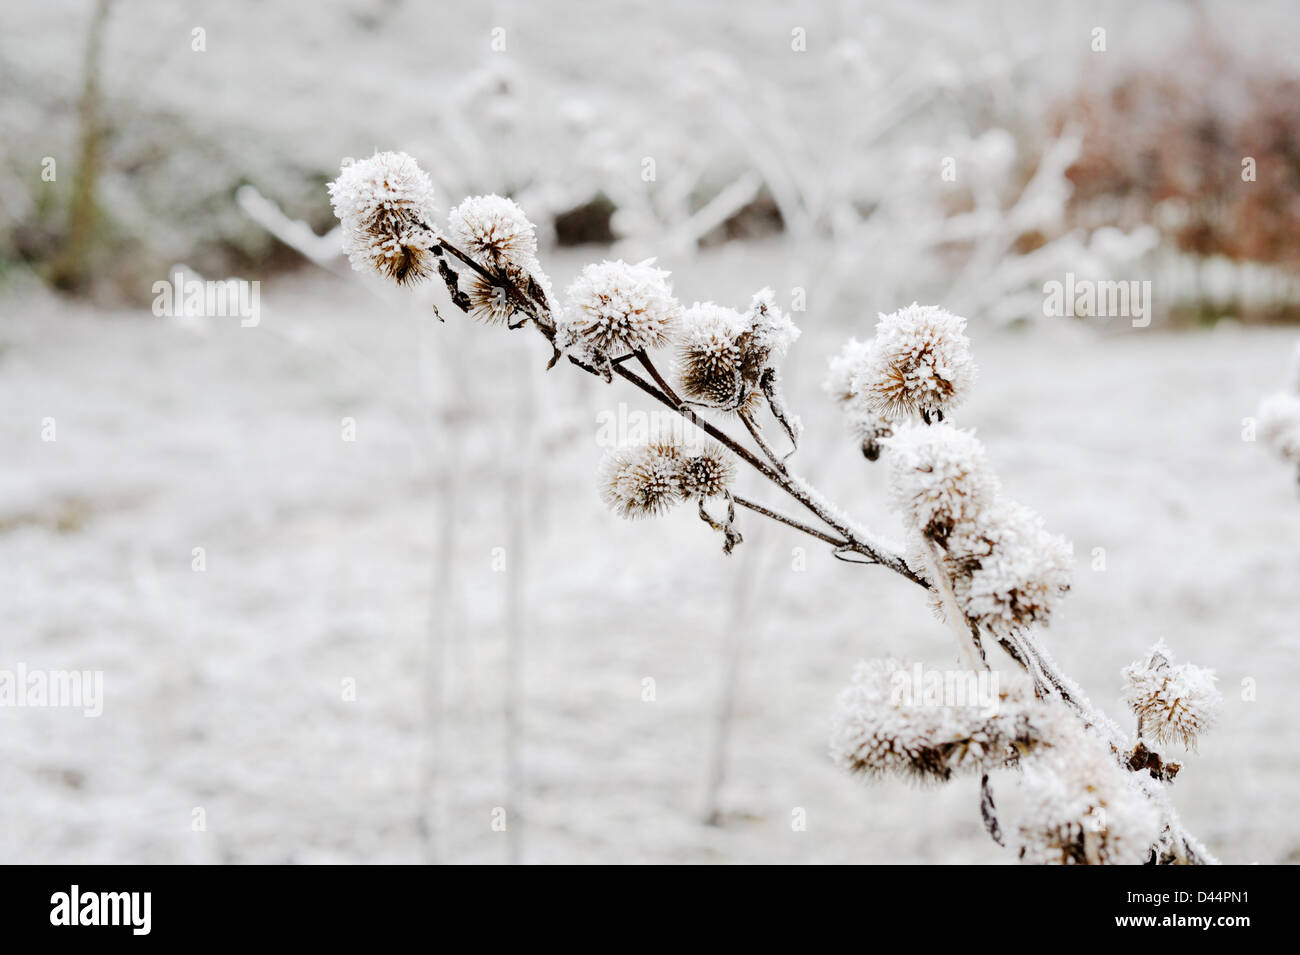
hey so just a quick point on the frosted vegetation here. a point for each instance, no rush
(360, 580)
(1093, 793)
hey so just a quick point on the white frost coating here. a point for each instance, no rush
(615, 308)
(1173, 702)
(385, 206)
(710, 356)
(878, 730)
(866, 425)
(940, 477)
(1020, 570)
(843, 368)
(646, 480)
(641, 480)
(713, 332)
(880, 545)
(773, 331)
(494, 230)
(1081, 808)
(919, 363)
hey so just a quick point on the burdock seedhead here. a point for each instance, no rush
(385, 207)
(642, 480)
(615, 309)
(1172, 702)
(711, 356)
(493, 231)
(918, 364)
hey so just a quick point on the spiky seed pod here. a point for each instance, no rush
(868, 429)
(615, 309)
(490, 302)
(1081, 808)
(493, 231)
(918, 364)
(771, 332)
(710, 356)
(940, 477)
(1171, 702)
(642, 480)
(878, 731)
(385, 207)
(708, 473)
(843, 368)
(1008, 571)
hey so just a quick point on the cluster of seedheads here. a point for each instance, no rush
(990, 567)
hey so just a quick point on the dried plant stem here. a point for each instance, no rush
(757, 434)
(1023, 649)
(796, 487)
(793, 485)
(788, 521)
(650, 368)
(967, 639)
(737, 629)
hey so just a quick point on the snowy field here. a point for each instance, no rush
(375, 561)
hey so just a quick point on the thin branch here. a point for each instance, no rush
(666, 388)
(789, 483)
(788, 521)
(793, 485)
(752, 427)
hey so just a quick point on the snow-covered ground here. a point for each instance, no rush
(389, 560)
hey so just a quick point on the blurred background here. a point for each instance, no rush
(345, 570)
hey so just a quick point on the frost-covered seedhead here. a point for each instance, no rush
(707, 473)
(869, 429)
(1279, 425)
(919, 364)
(844, 368)
(385, 206)
(772, 332)
(876, 730)
(488, 301)
(493, 231)
(491, 303)
(710, 355)
(646, 480)
(1171, 702)
(1081, 808)
(615, 309)
(642, 480)
(940, 477)
(728, 359)
(1012, 572)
